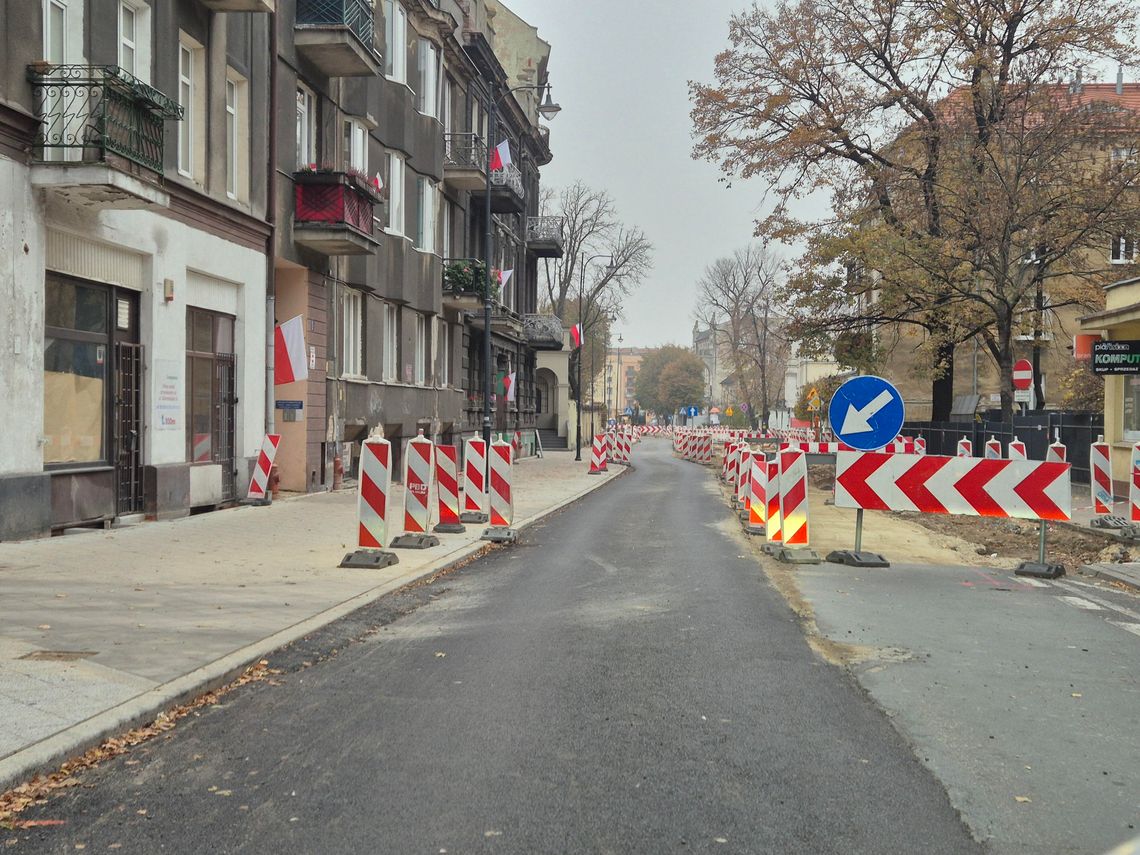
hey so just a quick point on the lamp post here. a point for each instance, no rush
(548, 110)
(581, 354)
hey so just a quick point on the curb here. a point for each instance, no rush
(49, 753)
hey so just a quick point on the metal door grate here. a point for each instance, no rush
(128, 427)
(225, 402)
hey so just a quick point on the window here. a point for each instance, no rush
(306, 128)
(445, 104)
(77, 345)
(395, 41)
(427, 214)
(355, 146)
(421, 349)
(209, 386)
(445, 226)
(1131, 408)
(237, 136)
(128, 23)
(427, 98)
(395, 193)
(186, 101)
(391, 341)
(1123, 249)
(442, 353)
(55, 32)
(352, 337)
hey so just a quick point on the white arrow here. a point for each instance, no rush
(856, 420)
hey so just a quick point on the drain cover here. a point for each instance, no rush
(59, 655)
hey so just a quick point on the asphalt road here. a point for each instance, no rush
(623, 680)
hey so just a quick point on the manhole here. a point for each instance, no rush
(59, 655)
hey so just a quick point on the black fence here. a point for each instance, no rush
(1076, 431)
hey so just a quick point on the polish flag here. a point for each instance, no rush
(289, 363)
(576, 335)
(509, 386)
(378, 182)
(501, 156)
(505, 276)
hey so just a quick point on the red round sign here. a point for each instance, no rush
(1022, 374)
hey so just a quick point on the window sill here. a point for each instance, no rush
(77, 468)
(354, 378)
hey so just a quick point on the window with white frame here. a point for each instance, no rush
(352, 334)
(1123, 249)
(1025, 328)
(445, 226)
(391, 338)
(55, 31)
(445, 103)
(128, 38)
(186, 98)
(427, 99)
(306, 127)
(421, 350)
(428, 211)
(442, 352)
(237, 132)
(356, 145)
(395, 193)
(395, 41)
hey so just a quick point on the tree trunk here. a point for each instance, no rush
(1005, 374)
(942, 387)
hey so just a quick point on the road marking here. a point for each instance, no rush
(1082, 603)
(1133, 628)
(1036, 583)
(1105, 603)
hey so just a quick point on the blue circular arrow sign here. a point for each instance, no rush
(866, 413)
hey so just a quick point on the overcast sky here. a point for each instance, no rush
(620, 71)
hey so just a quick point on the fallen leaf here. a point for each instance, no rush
(115, 846)
(720, 839)
(492, 833)
(1022, 799)
(224, 793)
(439, 654)
(80, 845)
(1077, 695)
(141, 811)
(36, 823)
(44, 626)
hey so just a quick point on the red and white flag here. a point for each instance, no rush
(505, 276)
(509, 386)
(378, 182)
(501, 156)
(576, 336)
(289, 363)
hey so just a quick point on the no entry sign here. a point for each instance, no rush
(1022, 374)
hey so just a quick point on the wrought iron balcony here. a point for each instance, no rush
(334, 212)
(102, 131)
(543, 332)
(544, 236)
(506, 191)
(338, 37)
(465, 161)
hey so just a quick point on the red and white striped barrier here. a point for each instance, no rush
(815, 447)
(757, 494)
(965, 448)
(626, 447)
(475, 477)
(447, 488)
(1020, 489)
(502, 499)
(1016, 450)
(706, 458)
(1101, 477)
(258, 484)
(794, 498)
(418, 466)
(920, 444)
(773, 532)
(993, 449)
(1134, 485)
(734, 463)
(1056, 453)
(598, 454)
(743, 486)
(372, 493)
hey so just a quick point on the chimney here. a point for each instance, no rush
(1120, 80)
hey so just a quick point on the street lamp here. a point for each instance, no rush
(548, 110)
(581, 353)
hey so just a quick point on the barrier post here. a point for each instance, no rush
(993, 449)
(447, 489)
(757, 499)
(474, 482)
(373, 490)
(1056, 453)
(773, 534)
(598, 455)
(965, 448)
(744, 485)
(1102, 497)
(502, 498)
(258, 493)
(920, 444)
(419, 464)
(1134, 485)
(1017, 450)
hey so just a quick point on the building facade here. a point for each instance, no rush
(620, 381)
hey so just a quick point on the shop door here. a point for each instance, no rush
(225, 406)
(127, 424)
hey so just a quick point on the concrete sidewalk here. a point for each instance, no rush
(100, 631)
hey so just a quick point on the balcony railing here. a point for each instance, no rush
(464, 151)
(545, 229)
(354, 15)
(331, 206)
(87, 112)
(543, 331)
(510, 177)
(465, 277)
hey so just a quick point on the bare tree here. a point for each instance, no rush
(734, 298)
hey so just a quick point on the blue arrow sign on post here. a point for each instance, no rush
(866, 413)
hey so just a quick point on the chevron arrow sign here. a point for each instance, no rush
(1021, 489)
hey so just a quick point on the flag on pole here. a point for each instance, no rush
(289, 364)
(501, 156)
(576, 335)
(378, 182)
(504, 276)
(509, 386)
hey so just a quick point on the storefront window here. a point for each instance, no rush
(209, 386)
(76, 355)
(1132, 408)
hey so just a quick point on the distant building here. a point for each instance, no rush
(620, 383)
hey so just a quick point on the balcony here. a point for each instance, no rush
(102, 135)
(338, 37)
(544, 236)
(241, 5)
(334, 213)
(543, 332)
(464, 285)
(506, 191)
(464, 161)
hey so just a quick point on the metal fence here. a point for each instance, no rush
(355, 15)
(1076, 431)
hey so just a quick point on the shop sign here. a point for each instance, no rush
(1116, 357)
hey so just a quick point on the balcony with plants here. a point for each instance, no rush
(338, 37)
(335, 210)
(102, 134)
(465, 284)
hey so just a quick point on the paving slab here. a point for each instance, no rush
(156, 613)
(1127, 573)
